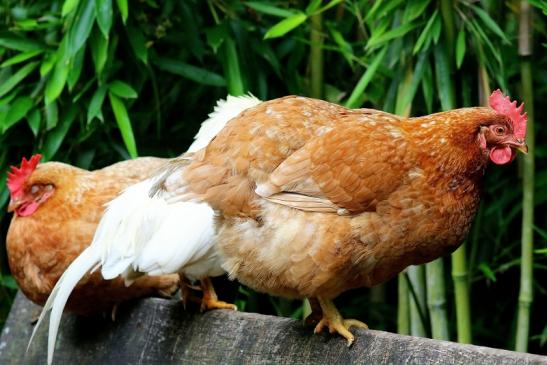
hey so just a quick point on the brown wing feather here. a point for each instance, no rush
(344, 169)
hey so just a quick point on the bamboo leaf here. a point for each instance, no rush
(124, 124)
(124, 9)
(96, 104)
(426, 36)
(33, 120)
(381, 8)
(414, 9)
(331, 4)
(444, 78)
(313, 5)
(18, 43)
(47, 63)
(52, 115)
(99, 51)
(353, 100)
(56, 82)
(55, 137)
(138, 43)
(69, 6)
(460, 48)
(389, 35)
(75, 69)
(191, 72)
(17, 111)
(16, 78)
(21, 57)
(121, 89)
(285, 26)
(81, 27)
(269, 9)
(490, 23)
(103, 9)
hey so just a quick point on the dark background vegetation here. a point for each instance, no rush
(94, 82)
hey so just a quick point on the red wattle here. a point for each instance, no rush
(502, 155)
(26, 209)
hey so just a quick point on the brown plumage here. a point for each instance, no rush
(44, 240)
(314, 199)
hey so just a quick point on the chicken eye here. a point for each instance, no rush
(499, 130)
(34, 189)
(48, 187)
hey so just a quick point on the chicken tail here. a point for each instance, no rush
(223, 112)
(59, 295)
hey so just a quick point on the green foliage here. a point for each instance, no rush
(93, 82)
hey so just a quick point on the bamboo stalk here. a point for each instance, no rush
(316, 56)
(436, 299)
(416, 274)
(526, 266)
(403, 306)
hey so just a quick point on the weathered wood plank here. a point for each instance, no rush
(156, 331)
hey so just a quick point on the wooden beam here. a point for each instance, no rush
(157, 331)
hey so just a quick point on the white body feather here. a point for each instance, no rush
(148, 235)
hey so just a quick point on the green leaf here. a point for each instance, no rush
(103, 9)
(69, 6)
(328, 6)
(427, 87)
(122, 90)
(52, 115)
(460, 48)
(124, 9)
(487, 271)
(81, 27)
(17, 111)
(21, 57)
(414, 9)
(16, 78)
(33, 120)
(12, 41)
(215, 36)
(56, 82)
(96, 104)
(426, 33)
(269, 9)
(230, 59)
(124, 124)
(353, 100)
(55, 137)
(285, 26)
(381, 8)
(313, 5)
(47, 63)
(191, 72)
(9, 282)
(75, 67)
(344, 46)
(99, 51)
(394, 33)
(138, 43)
(444, 78)
(490, 23)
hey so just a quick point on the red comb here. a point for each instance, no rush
(503, 105)
(18, 176)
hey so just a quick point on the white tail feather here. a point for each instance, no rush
(60, 293)
(224, 111)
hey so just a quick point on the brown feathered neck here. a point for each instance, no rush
(448, 142)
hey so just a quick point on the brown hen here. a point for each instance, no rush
(56, 210)
(314, 199)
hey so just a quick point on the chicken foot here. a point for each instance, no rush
(210, 299)
(334, 321)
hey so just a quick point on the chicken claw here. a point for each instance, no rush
(334, 321)
(210, 299)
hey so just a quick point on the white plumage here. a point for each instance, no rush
(223, 112)
(142, 234)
